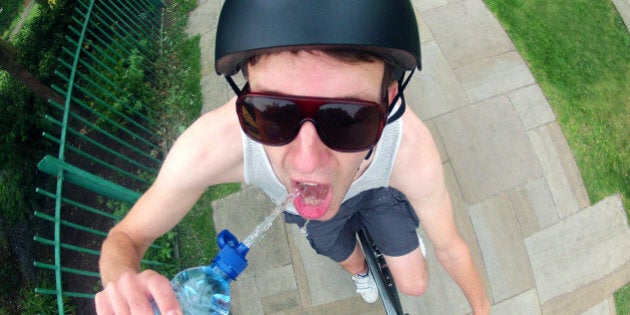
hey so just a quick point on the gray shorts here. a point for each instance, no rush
(384, 212)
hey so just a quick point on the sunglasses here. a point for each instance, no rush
(344, 125)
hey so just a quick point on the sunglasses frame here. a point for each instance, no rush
(309, 106)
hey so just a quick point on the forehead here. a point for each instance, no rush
(315, 73)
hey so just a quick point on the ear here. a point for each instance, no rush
(392, 91)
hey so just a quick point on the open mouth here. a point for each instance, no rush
(313, 199)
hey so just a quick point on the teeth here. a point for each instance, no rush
(301, 188)
(308, 191)
(305, 185)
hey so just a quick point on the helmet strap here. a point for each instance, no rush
(233, 85)
(402, 84)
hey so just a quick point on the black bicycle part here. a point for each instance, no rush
(382, 276)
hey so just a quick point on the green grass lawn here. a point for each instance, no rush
(579, 52)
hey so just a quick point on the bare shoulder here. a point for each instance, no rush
(418, 168)
(209, 151)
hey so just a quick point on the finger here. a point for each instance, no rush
(114, 301)
(162, 293)
(136, 295)
(101, 302)
(139, 301)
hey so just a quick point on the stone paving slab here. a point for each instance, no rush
(559, 168)
(532, 106)
(494, 76)
(425, 34)
(605, 307)
(424, 5)
(435, 90)
(338, 284)
(269, 268)
(581, 249)
(467, 32)
(523, 304)
(488, 147)
(203, 20)
(534, 206)
(273, 250)
(437, 139)
(502, 247)
(355, 305)
(207, 44)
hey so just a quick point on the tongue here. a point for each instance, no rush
(313, 201)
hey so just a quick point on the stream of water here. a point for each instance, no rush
(259, 232)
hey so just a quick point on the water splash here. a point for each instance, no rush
(259, 232)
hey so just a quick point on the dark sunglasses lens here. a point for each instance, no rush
(269, 120)
(348, 127)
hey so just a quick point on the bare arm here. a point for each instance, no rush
(207, 153)
(418, 173)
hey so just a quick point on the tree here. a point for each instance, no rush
(9, 63)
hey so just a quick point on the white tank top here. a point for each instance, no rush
(258, 170)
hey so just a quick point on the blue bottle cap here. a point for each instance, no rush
(231, 259)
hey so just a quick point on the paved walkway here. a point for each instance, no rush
(623, 6)
(518, 196)
(23, 16)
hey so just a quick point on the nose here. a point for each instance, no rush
(307, 151)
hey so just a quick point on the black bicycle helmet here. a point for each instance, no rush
(246, 28)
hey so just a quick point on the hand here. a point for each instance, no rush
(134, 293)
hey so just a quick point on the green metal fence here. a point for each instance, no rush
(109, 147)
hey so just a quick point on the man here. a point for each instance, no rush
(323, 79)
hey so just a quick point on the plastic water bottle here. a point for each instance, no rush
(206, 289)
